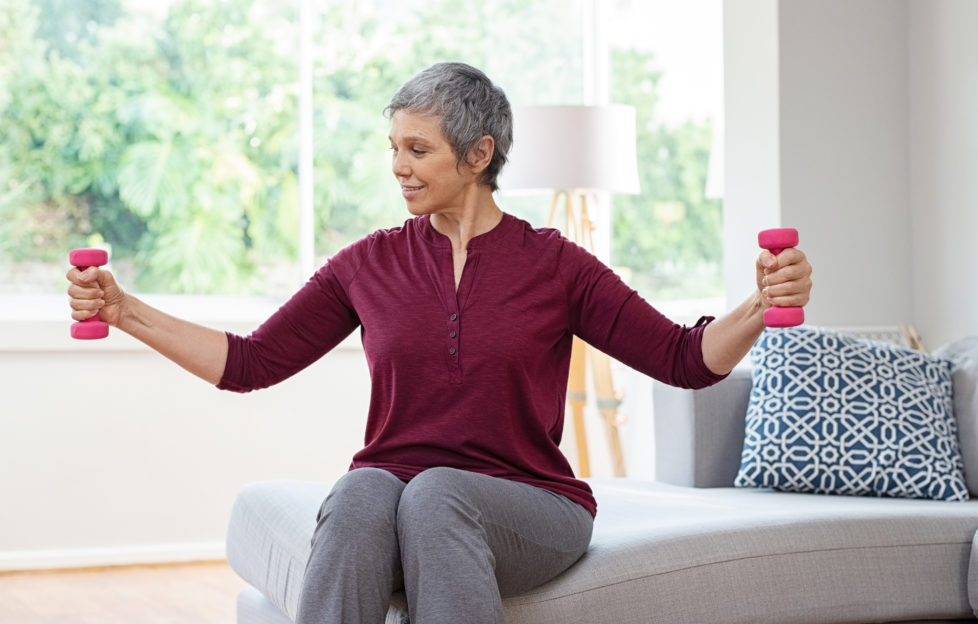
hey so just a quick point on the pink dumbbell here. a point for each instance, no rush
(90, 328)
(776, 241)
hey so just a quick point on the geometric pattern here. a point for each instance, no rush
(830, 413)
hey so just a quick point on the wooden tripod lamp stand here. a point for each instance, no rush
(578, 153)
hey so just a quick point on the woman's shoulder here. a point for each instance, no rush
(347, 262)
(548, 237)
(552, 240)
(383, 237)
(408, 228)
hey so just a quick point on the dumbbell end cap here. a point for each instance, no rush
(777, 238)
(784, 317)
(88, 257)
(89, 330)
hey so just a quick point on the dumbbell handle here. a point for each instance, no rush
(91, 328)
(776, 241)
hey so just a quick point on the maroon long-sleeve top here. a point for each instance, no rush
(474, 379)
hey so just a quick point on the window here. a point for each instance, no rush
(169, 131)
(162, 130)
(666, 61)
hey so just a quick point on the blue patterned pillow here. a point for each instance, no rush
(833, 414)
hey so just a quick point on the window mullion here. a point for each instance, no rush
(306, 233)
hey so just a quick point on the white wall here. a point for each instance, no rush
(872, 106)
(844, 165)
(944, 167)
(111, 454)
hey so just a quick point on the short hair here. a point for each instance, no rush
(468, 105)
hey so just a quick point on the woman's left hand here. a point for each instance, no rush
(784, 280)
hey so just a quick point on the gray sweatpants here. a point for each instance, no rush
(456, 541)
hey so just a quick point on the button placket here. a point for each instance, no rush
(453, 338)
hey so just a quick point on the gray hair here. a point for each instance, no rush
(468, 106)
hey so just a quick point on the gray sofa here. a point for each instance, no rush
(690, 548)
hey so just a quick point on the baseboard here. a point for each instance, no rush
(112, 556)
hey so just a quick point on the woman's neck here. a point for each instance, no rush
(472, 219)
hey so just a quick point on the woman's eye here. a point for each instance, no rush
(417, 151)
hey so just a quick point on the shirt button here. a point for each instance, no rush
(454, 316)
(452, 334)
(451, 350)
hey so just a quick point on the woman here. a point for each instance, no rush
(460, 494)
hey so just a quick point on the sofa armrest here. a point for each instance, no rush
(699, 434)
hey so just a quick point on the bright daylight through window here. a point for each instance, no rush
(168, 130)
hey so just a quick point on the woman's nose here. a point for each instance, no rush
(399, 165)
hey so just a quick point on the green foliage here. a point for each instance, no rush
(670, 235)
(171, 133)
(171, 141)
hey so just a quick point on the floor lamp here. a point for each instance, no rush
(578, 152)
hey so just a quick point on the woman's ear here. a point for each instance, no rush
(481, 155)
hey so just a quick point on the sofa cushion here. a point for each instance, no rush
(830, 413)
(963, 355)
(662, 553)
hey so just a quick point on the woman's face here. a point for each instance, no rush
(425, 165)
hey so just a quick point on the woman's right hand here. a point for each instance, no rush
(200, 350)
(94, 292)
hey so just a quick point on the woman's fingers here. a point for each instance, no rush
(80, 277)
(789, 294)
(86, 296)
(76, 291)
(787, 281)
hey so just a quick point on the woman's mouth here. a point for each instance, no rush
(408, 192)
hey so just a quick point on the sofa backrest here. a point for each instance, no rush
(699, 435)
(964, 355)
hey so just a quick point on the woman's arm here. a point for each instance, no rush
(782, 280)
(200, 350)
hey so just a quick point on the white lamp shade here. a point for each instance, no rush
(573, 148)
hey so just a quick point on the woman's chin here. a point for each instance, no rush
(416, 209)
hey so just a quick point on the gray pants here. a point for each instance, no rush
(456, 541)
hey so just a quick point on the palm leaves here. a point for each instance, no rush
(154, 178)
(193, 202)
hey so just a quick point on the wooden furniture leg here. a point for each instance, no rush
(577, 397)
(578, 228)
(608, 401)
